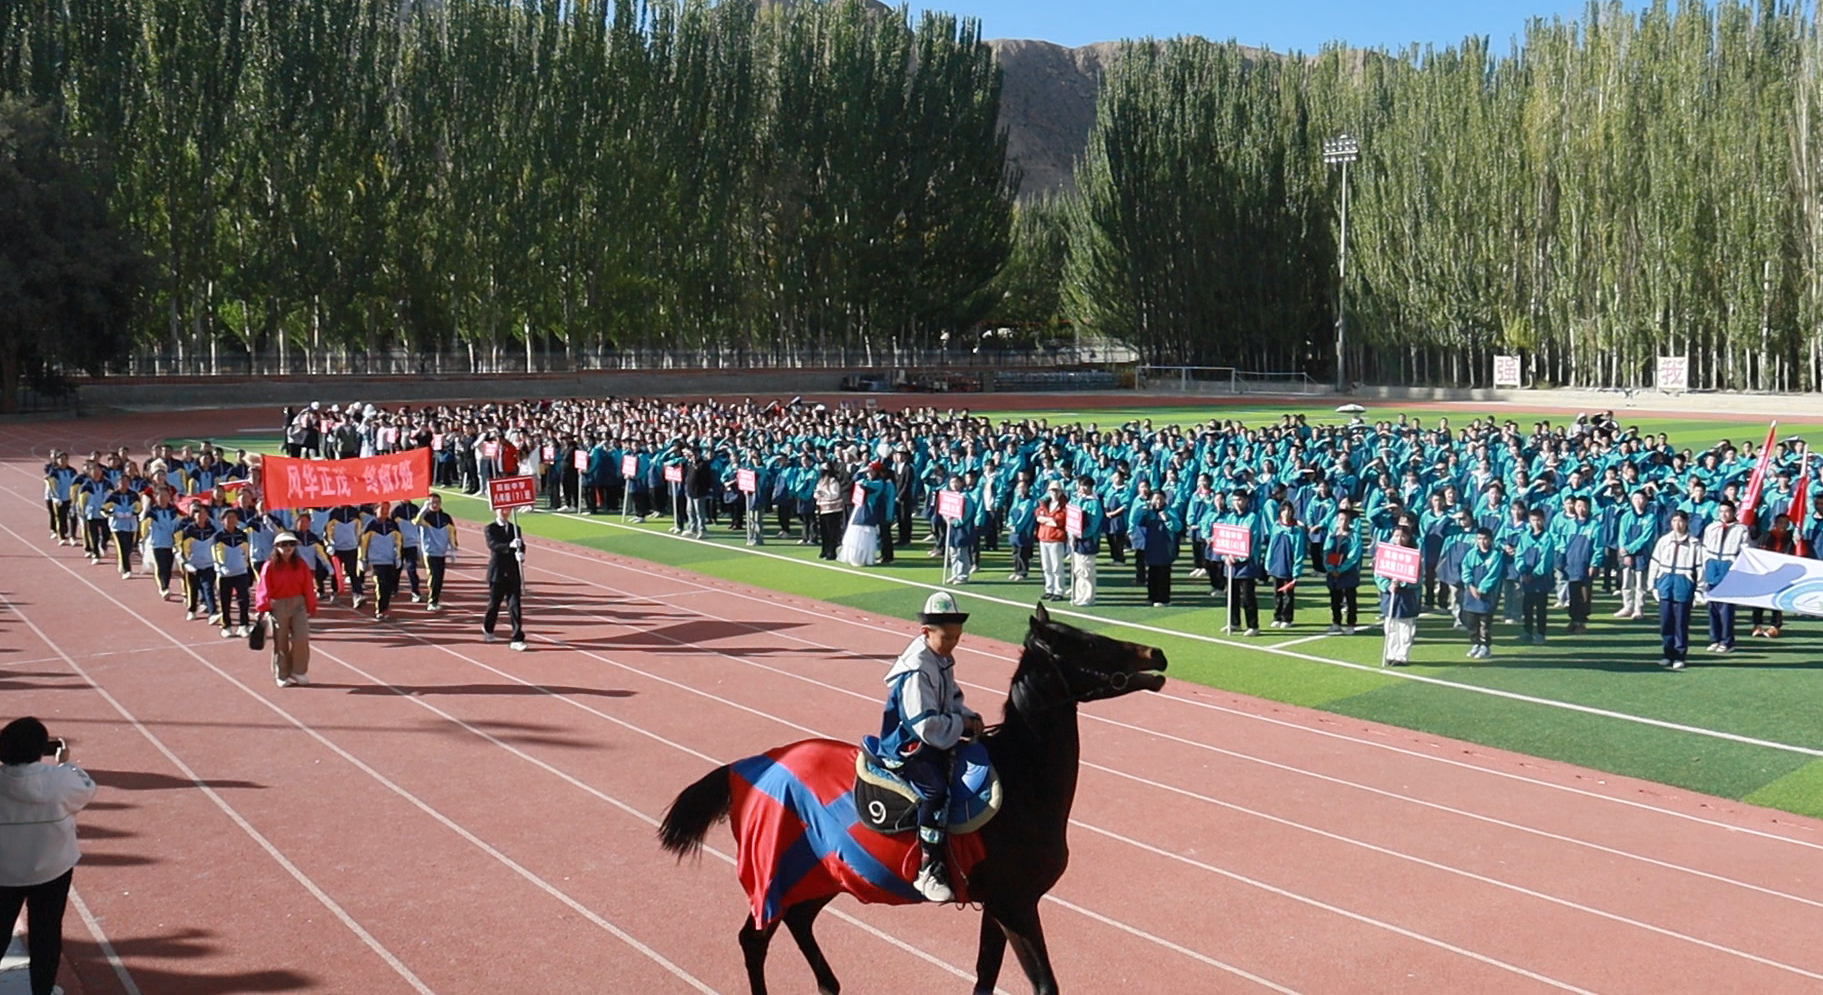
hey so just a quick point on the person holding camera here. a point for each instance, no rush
(38, 851)
(505, 576)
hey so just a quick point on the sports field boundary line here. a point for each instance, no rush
(366, 768)
(1223, 751)
(108, 953)
(1228, 643)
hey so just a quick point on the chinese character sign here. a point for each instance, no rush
(1396, 562)
(511, 492)
(746, 481)
(1231, 540)
(1072, 521)
(301, 483)
(949, 505)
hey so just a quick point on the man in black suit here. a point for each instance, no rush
(505, 577)
(905, 478)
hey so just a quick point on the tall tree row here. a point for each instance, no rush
(339, 177)
(1611, 189)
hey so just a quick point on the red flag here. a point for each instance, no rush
(1750, 501)
(1800, 507)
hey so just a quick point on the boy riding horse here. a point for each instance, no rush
(923, 721)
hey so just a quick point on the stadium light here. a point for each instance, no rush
(1340, 151)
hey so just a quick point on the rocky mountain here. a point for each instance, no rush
(1047, 105)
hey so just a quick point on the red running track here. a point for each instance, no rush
(439, 815)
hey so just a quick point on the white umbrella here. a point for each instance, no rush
(1351, 409)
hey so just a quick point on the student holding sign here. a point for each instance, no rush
(1402, 599)
(1085, 542)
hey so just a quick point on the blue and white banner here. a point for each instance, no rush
(1760, 579)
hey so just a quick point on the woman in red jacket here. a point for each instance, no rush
(287, 593)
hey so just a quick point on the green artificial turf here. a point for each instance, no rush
(1768, 691)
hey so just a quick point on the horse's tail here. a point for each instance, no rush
(694, 811)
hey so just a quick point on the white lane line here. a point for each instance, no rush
(1460, 872)
(1335, 910)
(201, 785)
(814, 732)
(1234, 644)
(558, 546)
(389, 784)
(101, 940)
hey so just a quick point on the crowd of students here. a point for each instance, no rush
(195, 521)
(1512, 522)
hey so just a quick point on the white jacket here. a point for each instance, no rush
(38, 806)
(930, 701)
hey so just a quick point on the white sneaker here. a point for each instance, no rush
(126, 575)
(1665, 662)
(227, 632)
(1158, 604)
(435, 606)
(1348, 630)
(359, 601)
(1724, 648)
(1626, 613)
(637, 520)
(1251, 632)
(416, 599)
(1713, 647)
(302, 680)
(1677, 665)
(283, 682)
(1334, 630)
(931, 888)
(1635, 615)
(517, 645)
(189, 616)
(488, 637)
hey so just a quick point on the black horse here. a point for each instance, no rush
(1037, 751)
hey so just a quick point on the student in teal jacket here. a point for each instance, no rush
(1484, 569)
(1342, 571)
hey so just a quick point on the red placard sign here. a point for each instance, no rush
(511, 492)
(1231, 540)
(746, 481)
(860, 495)
(490, 449)
(309, 483)
(1072, 521)
(582, 459)
(674, 474)
(629, 465)
(550, 452)
(949, 504)
(1396, 562)
(436, 442)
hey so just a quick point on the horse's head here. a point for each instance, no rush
(1063, 663)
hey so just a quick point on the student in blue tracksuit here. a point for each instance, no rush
(234, 572)
(382, 547)
(1677, 558)
(342, 528)
(1636, 532)
(158, 528)
(437, 537)
(91, 497)
(60, 490)
(1484, 569)
(1022, 527)
(405, 513)
(123, 507)
(1154, 530)
(194, 544)
(1285, 554)
(1535, 558)
(312, 551)
(1722, 543)
(1582, 553)
(1342, 571)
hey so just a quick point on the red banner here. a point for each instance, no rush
(230, 488)
(1755, 484)
(309, 483)
(1799, 512)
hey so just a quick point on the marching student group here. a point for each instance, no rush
(1509, 524)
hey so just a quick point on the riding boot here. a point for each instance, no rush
(933, 873)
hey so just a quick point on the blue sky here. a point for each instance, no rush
(1278, 24)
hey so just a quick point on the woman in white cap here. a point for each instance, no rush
(923, 720)
(287, 594)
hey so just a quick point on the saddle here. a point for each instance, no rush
(887, 803)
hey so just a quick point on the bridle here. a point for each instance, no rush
(1051, 689)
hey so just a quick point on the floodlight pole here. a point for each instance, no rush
(1341, 151)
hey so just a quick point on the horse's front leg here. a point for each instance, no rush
(1026, 934)
(989, 955)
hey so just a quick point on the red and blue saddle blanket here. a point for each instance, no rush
(800, 837)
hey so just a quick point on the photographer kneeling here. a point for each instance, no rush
(38, 852)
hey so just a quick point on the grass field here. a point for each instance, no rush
(1742, 726)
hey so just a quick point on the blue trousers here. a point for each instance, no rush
(1674, 628)
(1721, 624)
(928, 770)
